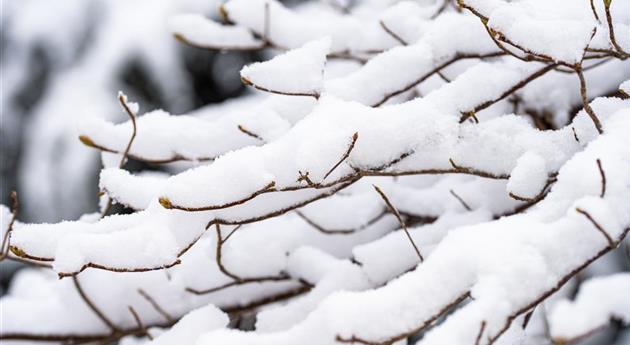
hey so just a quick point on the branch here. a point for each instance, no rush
(355, 136)
(599, 228)
(139, 322)
(156, 306)
(341, 231)
(394, 211)
(603, 177)
(460, 200)
(93, 307)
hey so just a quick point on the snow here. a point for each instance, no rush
(298, 72)
(598, 301)
(529, 177)
(199, 31)
(192, 325)
(290, 28)
(268, 195)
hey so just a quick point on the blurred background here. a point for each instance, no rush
(64, 60)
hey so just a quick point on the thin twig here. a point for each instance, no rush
(122, 98)
(93, 307)
(603, 177)
(460, 200)
(480, 334)
(392, 33)
(585, 102)
(250, 133)
(622, 54)
(155, 305)
(139, 322)
(400, 220)
(599, 228)
(355, 136)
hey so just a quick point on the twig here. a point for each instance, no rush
(340, 231)
(528, 317)
(480, 334)
(93, 307)
(599, 228)
(575, 136)
(355, 136)
(603, 177)
(250, 133)
(392, 33)
(122, 98)
(594, 11)
(139, 322)
(460, 200)
(155, 305)
(400, 220)
(622, 54)
(248, 82)
(585, 102)
(219, 256)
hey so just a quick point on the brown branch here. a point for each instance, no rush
(603, 177)
(622, 54)
(166, 203)
(594, 11)
(250, 133)
(437, 69)
(139, 322)
(87, 141)
(482, 328)
(585, 102)
(93, 307)
(392, 33)
(340, 231)
(550, 180)
(575, 136)
(528, 318)
(557, 287)
(237, 278)
(599, 228)
(113, 337)
(248, 82)
(394, 211)
(156, 306)
(460, 200)
(522, 83)
(355, 136)
(425, 324)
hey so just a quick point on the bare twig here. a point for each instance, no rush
(93, 307)
(621, 53)
(482, 328)
(460, 200)
(139, 322)
(394, 211)
(392, 33)
(340, 231)
(585, 102)
(599, 228)
(355, 136)
(250, 133)
(156, 306)
(603, 177)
